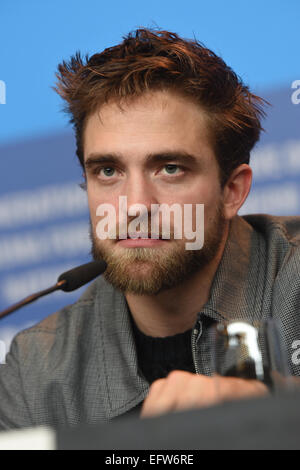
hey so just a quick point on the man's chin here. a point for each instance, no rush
(136, 270)
(139, 279)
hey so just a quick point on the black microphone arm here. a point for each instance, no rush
(67, 282)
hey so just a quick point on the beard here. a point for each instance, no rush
(148, 271)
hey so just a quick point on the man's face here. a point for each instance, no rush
(149, 140)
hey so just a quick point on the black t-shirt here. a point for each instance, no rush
(159, 356)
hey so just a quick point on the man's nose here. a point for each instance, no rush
(140, 191)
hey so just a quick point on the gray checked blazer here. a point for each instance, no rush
(79, 365)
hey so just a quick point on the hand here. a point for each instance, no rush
(183, 390)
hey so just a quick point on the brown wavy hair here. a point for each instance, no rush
(149, 59)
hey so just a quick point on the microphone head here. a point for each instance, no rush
(78, 277)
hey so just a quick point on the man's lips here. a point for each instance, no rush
(143, 236)
(141, 240)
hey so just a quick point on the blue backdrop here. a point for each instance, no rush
(40, 236)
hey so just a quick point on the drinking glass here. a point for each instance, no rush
(252, 351)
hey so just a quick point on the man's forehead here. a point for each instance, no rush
(158, 101)
(154, 121)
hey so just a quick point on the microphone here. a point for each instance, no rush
(68, 281)
(78, 277)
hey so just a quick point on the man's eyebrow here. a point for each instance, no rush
(94, 158)
(176, 156)
(151, 158)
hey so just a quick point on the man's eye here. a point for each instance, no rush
(107, 171)
(171, 169)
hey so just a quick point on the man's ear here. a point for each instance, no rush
(83, 185)
(236, 190)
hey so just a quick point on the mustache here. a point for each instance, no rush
(156, 235)
(123, 230)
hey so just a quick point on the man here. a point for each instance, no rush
(158, 120)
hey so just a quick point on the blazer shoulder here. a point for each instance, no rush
(286, 227)
(61, 330)
(69, 313)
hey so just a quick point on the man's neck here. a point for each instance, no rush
(175, 310)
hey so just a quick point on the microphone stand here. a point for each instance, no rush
(68, 281)
(31, 298)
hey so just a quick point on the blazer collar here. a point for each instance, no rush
(124, 386)
(238, 286)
